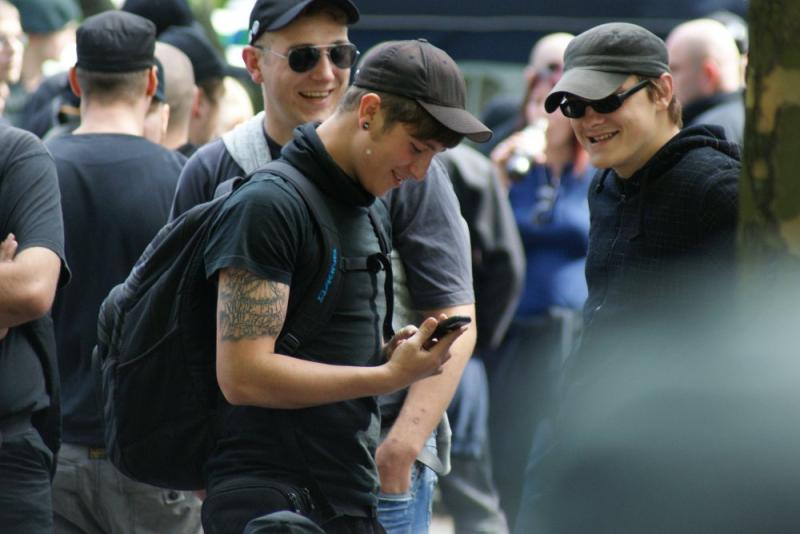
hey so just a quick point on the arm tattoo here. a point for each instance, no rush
(250, 307)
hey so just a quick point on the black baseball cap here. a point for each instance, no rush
(419, 71)
(272, 15)
(206, 60)
(163, 13)
(116, 41)
(599, 60)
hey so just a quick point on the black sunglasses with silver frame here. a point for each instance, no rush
(304, 58)
(576, 108)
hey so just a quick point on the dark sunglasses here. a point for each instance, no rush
(575, 109)
(305, 58)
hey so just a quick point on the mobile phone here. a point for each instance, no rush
(448, 325)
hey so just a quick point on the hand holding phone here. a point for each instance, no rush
(448, 325)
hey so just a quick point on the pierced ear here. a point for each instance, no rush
(369, 107)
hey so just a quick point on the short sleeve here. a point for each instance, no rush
(262, 228)
(30, 197)
(432, 239)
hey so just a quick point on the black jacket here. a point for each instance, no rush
(665, 233)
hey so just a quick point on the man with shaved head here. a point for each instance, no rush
(180, 92)
(706, 68)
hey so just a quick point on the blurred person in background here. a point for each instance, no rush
(180, 92)
(50, 29)
(548, 174)
(546, 59)
(116, 188)
(209, 73)
(236, 106)
(706, 68)
(163, 13)
(11, 50)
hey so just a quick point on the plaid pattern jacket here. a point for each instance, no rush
(663, 238)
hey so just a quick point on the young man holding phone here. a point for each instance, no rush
(300, 55)
(300, 432)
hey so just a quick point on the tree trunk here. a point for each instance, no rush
(769, 233)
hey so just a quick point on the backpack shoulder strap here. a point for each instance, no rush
(316, 306)
(376, 213)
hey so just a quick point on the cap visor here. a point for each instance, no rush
(460, 121)
(585, 83)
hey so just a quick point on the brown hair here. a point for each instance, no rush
(654, 90)
(398, 109)
(110, 87)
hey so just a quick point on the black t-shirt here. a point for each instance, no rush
(30, 208)
(116, 192)
(266, 229)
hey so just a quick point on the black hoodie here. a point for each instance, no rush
(656, 236)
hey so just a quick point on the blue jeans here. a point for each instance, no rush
(410, 512)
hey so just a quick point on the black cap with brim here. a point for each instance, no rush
(207, 62)
(419, 71)
(459, 120)
(272, 15)
(584, 83)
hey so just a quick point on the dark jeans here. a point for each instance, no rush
(523, 379)
(232, 504)
(25, 497)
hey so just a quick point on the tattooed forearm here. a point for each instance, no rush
(250, 307)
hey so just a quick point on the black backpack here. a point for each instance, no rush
(156, 339)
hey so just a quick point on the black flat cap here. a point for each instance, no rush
(116, 41)
(163, 13)
(206, 61)
(46, 16)
(272, 15)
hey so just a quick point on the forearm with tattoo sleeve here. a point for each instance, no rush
(250, 315)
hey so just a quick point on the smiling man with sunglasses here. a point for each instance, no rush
(663, 210)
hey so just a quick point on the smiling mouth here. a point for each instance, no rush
(601, 138)
(316, 95)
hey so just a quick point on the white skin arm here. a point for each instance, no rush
(28, 283)
(250, 314)
(422, 409)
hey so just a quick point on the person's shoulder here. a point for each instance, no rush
(211, 151)
(213, 157)
(269, 191)
(17, 141)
